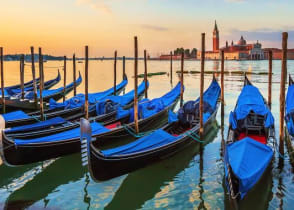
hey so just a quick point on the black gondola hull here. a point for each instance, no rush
(30, 153)
(103, 168)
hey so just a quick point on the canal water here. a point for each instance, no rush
(192, 178)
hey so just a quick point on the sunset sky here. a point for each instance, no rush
(65, 26)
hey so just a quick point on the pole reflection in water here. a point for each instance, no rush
(201, 180)
(156, 179)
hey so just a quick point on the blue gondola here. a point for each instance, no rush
(57, 137)
(70, 109)
(180, 132)
(248, 151)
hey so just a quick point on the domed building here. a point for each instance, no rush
(239, 51)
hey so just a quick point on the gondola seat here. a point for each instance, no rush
(259, 138)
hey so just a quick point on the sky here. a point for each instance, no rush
(64, 27)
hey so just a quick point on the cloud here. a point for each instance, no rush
(263, 34)
(268, 36)
(154, 28)
(98, 5)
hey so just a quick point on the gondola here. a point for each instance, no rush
(16, 89)
(24, 151)
(180, 132)
(248, 150)
(289, 119)
(106, 109)
(69, 110)
(28, 103)
(26, 85)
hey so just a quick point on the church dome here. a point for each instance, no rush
(242, 41)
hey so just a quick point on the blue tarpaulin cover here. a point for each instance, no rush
(251, 99)
(147, 108)
(66, 135)
(79, 100)
(15, 115)
(119, 100)
(48, 93)
(290, 109)
(154, 140)
(210, 98)
(37, 126)
(248, 159)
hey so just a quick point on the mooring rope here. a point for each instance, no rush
(194, 136)
(133, 132)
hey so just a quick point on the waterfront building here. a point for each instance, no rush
(239, 51)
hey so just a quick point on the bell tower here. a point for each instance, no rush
(215, 38)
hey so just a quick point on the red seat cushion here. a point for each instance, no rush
(261, 139)
(114, 125)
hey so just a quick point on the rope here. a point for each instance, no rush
(53, 67)
(4, 148)
(194, 136)
(133, 132)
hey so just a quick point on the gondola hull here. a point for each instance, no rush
(30, 105)
(68, 114)
(29, 153)
(103, 168)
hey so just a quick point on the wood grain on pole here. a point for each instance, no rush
(34, 77)
(64, 77)
(2, 80)
(171, 67)
(145, 73)
(136, 85)
(114, 73)
(86, 82)
(282, 90)
(182, 80)
(74, 74)
(41, 83)
(270, 74)
(22, 76)
(202, 83)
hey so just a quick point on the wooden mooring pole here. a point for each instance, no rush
(282, 90)
(74, 73)
(136, 86)
(22, 76)
(86, 82)
(114, 73)
(270, 75)
(41, 83)
(202, 83)
(2, 80)
(145, 73)
(182, 80)
(64, 77)
(222, 99)
(222, 86)
(171, 67)
(124, 71)
(124, 66)
(34, 76)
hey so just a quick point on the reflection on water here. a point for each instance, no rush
(192, 178)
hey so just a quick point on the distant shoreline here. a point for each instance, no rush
(60, 58)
